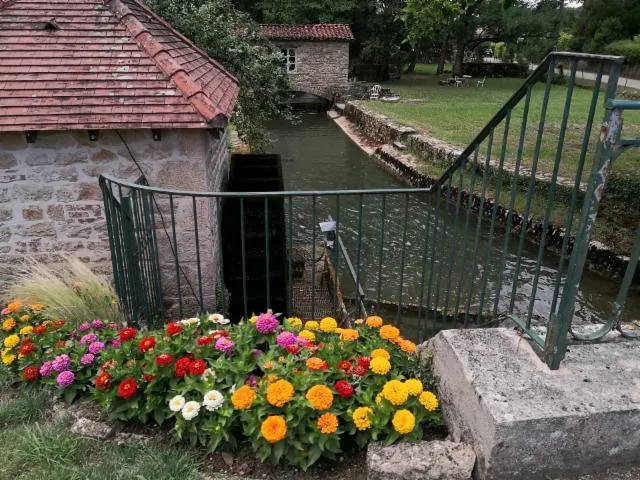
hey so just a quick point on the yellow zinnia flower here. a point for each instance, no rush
(374, 321)
(349, 335)
(308, 335)
(36, 307)
(380, 352)
(274, 428)
(328, 324)
(24, 318)
(312, 325)
(8, 359)
(361, 417)
(395, 391)
(389, 332)
(414, 386)
(328, 423)
(408, 346)
(253, 319)
(294, 322)
(11, 341)
(429, 401)
(243, 398)
(380, 365)
(26, 330)
(403, 421)
(9, 324)
(279, 393)
(320, 397)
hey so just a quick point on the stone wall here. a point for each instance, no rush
(322, 67)
(50, 201)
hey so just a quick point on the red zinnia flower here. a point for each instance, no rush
(197, 367)
(173, 329)
(293, 349)
(345, 365)
(61, 344)
(148, 377)
(127, 334)
(164, 359)
(203, 341)
(108, 364)
(359, 370)
(343, 388)
(39, 330)
(364, 362)
(182, 366)
(26, 349)
(147, 344)
(31, 373)
(127, 388)
(219, 333)
(103, 381)
(59, 323)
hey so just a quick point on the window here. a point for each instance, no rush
(289, 59)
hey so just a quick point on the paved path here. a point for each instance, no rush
(622, 81)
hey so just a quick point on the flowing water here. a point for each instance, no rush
(316, 155)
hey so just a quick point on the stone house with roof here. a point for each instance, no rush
(84, 86)
(315, 56)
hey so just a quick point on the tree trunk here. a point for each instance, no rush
(443, 55)
(411, 68)
(459, 59)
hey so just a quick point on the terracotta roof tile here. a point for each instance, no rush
(314, 32)
(104, 65)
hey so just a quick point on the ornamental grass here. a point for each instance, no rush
(294, 397)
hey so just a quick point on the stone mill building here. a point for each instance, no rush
(100, 87)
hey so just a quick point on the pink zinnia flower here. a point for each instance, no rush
(224, 345)
(96, 347)
(266, 323)
(65, 378)
(87, 359)
(97, 324)
(286, 338)
(84, 327)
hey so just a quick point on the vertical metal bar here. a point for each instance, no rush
(532, 182)
(198, 264)
(556, 340)
(425, 256)
(244, 260)
(443, 244)
(336, 258)
(156, 257)
(381, 249)
(359, 255)
(576, 186)
(313, 257)
(436, 219)
(266, 250)
(552, 188)
(290, 273)
(221, 282)
(454, 244)
(494, 211)
(175, 254)
(512, 202)
(404, 246)
(139, 256)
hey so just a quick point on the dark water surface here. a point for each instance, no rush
(316, 155)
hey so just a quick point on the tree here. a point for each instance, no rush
(232, 38)
(603, 21)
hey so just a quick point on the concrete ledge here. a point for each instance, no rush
(526, 421)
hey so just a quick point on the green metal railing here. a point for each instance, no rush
(503, 234)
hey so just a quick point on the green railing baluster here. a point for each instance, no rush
(436, 219)
(402, 258)
(532, 183)
(336, 258)
(266, 250)
(313, 258)
(444, 242)
(156, 257)
(198, 263)
(552, 188)
(290, 272)
(454, 243)
(244, 261)
(174, 248)
(425, 256)
(222, 288)
(141, 263)
(381, 249)
(359, 254)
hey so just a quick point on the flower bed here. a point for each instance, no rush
(295, 391)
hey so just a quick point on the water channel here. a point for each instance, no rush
(316, 155)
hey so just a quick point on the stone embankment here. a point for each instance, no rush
(404, 152)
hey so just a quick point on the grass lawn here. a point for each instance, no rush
(456, 115)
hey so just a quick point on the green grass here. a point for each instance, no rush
(28, 407)
(456, 115)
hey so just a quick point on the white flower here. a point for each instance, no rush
(219, 319)
(213, 400)
(176, 403)
(190, 321)
(190, 410)
(207, 374)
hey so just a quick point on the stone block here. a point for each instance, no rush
(526, 421)
(55, 212)
(103, 155)
(69, 157)
(39, 229)
(64, 174)
(7, 160)
(54, 140)
(5, 234)
(33, 245)
(12, 141)
(32, 213)
(11, 177)
(83, 212)
(31, 192)
(67, 194)
(37, 157)
(89, 191)
(91, 428)
(6, 213)
(434, 460)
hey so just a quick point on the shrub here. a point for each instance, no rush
(629, 49)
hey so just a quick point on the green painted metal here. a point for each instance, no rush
(461, 260)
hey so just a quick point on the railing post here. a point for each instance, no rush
(557, 340)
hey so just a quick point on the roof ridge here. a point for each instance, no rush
(190, 88)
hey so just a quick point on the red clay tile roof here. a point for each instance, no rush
(104, 65)
(318, 31)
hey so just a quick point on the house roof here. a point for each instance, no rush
(94, 64)
(315, 32)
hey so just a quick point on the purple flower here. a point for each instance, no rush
(73, 334)
(98, 324)
(84, 327)
(303, 342)
(65, 378)
(113, 326)
(88, 338)
(46, 369)
(61, 362)
(224, 345)
(96, 347)
(286, 338)
(251, 380)
(116, 342)
(266, 323)
(257, 353)
(87, 359)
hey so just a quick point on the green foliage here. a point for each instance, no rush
(629, 49)
(70, 290)
(424, 20)
(601, 22)
(28, 407)
(233, 39)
